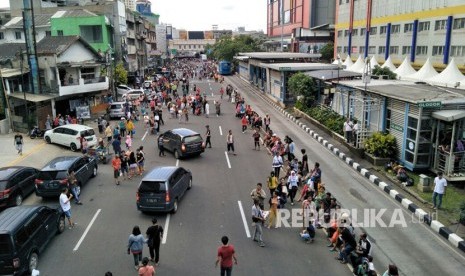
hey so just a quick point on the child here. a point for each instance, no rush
(128, 142)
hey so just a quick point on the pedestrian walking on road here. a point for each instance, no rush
(259, 194)
(230, 142)
(140, 156)
(207, 137)
(136, 245)
(272, 182)
(207, 109)
(293, 181)
(108, 132)
(277, 164)
(146, 269)
(258, 220)
(132, 164)
(161, 147)
(256, 139)
(73, 184)
(154, 235)
(18, 142)
(116, 144)
(244, 123)
(116, 164)
(267, 122)
(225, 256)
(124, 165)
(274, 202)
(66, 206)
(440, 184)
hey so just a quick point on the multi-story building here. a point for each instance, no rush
(130, 4)
(144, 7)
(416, 29)
(13, 32)
(190, 43)
(303, 24)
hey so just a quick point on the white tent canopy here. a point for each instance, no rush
(358, 65)
(405, 69)
(388, 63)
(348, 62)
(449, 77)
(373, 62)
(427, 71)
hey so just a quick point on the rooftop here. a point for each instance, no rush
(40, 20)
(332, 74)
(304, 66)
(74, 13)
(278, 55)
(11, 50)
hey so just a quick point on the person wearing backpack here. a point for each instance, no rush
(154, 235)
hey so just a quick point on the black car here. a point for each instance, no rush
(25, 232)
(183, 142)
(161, 189)
(54, 176)
(15, 184)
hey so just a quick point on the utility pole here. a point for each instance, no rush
(282, 24)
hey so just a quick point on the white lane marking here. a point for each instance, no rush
(227, 159)
(143, 137)
(221, 131)
(87, 230)
(165, 232)
(246, 227)
(177, 163)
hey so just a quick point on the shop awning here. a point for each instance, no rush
(33, 97)
(449, 115)
(8, 73)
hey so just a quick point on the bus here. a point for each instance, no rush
(224, 67)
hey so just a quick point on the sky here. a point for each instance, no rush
(200, 15)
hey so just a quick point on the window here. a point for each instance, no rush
(363, 31)
(381, 50)
(346, 49)
(48, 33)
(373, 30)
(91, 33)
(457, 51)
(338, 49)
(372, 50)
(382, 29)
(2, 36)
(459, 23)
(346, 33)
(395, 29)
(394, 50)
(60, 33)
(87, 73)
(339, 33)
(440, 25)
(354, 32)
(422, 50)
(423, 26)
(362, 49)
(408, 28)
(406, 50)
(438, 50)
(18, 35)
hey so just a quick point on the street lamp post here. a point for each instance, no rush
(21, 64)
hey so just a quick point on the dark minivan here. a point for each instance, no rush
(183, 142)
(54, 175)
(162, 188)
(16, 183)
(25, 231)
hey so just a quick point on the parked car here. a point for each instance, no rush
(122, 89)
(162, 188)
(54, 175)
(183, 142)
(25, 232)
(134, 94)
(118, 109)
(69, 135)
(16, 183)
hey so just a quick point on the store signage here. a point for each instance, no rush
(284, 68)
(430, 104)
(397, 127)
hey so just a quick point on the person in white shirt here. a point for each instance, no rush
(348, 130)
(440, 185)
(355, 132)
(66, 205)
(230, 142)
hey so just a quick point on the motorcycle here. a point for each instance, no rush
(36, 132)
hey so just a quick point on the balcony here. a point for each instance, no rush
(84, 86)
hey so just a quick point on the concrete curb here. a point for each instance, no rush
(421, 215)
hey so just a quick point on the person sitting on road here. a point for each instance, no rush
(363, 250)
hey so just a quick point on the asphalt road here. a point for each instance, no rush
(212, 209)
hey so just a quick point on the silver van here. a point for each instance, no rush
(162, 188)
(117, 110)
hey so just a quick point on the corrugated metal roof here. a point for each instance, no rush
(278, 55)
(40, 20)
(55, 44)
(11, 50)
(74, 13)
(301, 66)
(331, 74)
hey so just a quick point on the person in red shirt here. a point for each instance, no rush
(244, 122)
(116, 164)
(226, 254)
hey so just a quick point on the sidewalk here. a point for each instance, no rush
(8, 153)
(366, 169)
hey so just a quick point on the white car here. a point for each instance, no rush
(123, 89)
(134, 94)
(69, 136)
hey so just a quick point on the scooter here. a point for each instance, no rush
(36, 132)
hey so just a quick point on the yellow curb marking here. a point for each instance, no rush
(31, 151)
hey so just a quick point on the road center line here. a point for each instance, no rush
(87, 230)
(143, 137)
(246, 227)
(227, 159)
(31, 151)
(165, 232)
(221, 131)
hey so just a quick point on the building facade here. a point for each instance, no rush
(416, 29)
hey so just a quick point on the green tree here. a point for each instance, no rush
(302, 85)
(380, 71)
(327, 52)
(227, 47)
(121, 75)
